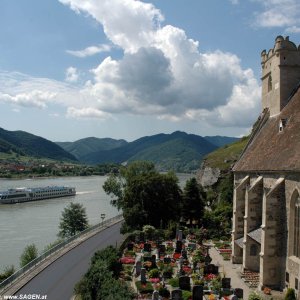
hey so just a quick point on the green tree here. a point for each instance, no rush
(101, 280)
(145, 196)
(73, 220)
(193, 201)
(290, 294)
(30, 253)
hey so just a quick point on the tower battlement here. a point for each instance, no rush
(281, 44)
(280, 74)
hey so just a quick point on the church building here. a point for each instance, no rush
(266, 204)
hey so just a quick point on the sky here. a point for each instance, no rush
(71, 69)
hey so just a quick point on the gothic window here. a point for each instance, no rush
(253, 250)
(269, 83)
(296, 241)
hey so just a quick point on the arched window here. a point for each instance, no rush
(270, 83)
(296, 221)
(253, 250)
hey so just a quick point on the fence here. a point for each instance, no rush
(54, 249)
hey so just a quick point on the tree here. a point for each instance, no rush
(290, 294)
(101, 280)
(30, 253)
(73, 220)
(193, 201)
(145, 196)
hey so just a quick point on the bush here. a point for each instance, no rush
(290, 294)
(8, 271)
(144, 288)
(174, 282)
(154, 273)
(168, 272)
(186, 295)
(254, 296)
(29, 254)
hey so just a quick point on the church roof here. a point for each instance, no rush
(256, 235)
(276, 146)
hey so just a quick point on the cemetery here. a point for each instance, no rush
(178, 269)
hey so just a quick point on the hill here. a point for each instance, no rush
(179, 151)
(86, 146)
(221, 141)
(24, 143)
(218, 163)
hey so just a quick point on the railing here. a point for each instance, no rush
(54, 249)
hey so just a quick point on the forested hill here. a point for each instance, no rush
(24, 143)
(86, 146)
(178, 151)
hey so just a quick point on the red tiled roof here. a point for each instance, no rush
(272, 150)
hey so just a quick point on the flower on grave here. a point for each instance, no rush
(154, 280)
(211, 297)
(127, 260)
(210, 277)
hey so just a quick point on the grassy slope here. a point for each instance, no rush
(224, 157)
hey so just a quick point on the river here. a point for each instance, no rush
(38, 222)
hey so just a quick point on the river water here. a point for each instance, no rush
(38, 222)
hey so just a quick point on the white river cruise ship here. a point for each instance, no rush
(18, 195)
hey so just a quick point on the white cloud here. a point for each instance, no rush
(162, 71)
(90, 51)
(35, 98)
(234, 2)
(279, 13)
(72, 75)
(86, 112)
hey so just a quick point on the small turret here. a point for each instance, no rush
(280, 73)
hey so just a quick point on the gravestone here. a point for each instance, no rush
(153, 260)
(155, 295)
(185, 283)
(176, 295)
(167, 260)
(211, 269)
(179, 236)
(239, 293)
(184, 254)
(226, 283)
(143, 275)
(197, 292)
(147, 258)
(162, 248)
(178, 247)
(147, 247)
(138, 268)
(130, 246)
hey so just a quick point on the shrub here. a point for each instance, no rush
(168, 272)
(144, 288)
(174, 282)
(254, 296)
(154, 273)
(186, 295)
(290, 294)
(30, 253)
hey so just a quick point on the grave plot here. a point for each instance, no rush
(174, 269)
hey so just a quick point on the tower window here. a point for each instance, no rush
(270, 83)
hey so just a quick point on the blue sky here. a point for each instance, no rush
(70, 69)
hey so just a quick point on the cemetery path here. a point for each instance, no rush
(57, 281)
(230, 270)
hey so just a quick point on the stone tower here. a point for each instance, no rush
(280, 74)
